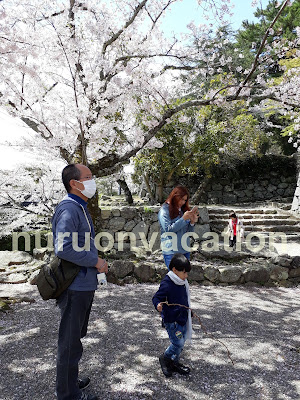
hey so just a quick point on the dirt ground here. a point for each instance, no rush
(259, 326)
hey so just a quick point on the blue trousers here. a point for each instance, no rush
(75, 307)
(177, 336)
(168, 258)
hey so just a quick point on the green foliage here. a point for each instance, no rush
(249, 37)
(211, 135)
(233, 131)
(148, 210)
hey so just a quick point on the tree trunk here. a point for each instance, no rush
(160, 187)
(94, 210)
(201, 188)
(150, 191)
(126, 190)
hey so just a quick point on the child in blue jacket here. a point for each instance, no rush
(174, 289)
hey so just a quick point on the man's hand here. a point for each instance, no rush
(159, 307)
(102, 266)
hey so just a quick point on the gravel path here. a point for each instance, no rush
(260, 327)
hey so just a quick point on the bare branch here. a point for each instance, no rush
(50, 16)
(128, 23)
(182, 68)
(154, 21)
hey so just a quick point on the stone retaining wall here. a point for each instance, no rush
(266, 178)
(234, 269)
(215, 268)
(241, 191)
(125, 224)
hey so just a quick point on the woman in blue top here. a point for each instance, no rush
(176, 220)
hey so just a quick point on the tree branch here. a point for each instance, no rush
(112, 162)
(128, 23)
(261, 47)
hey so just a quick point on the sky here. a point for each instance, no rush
(182, 13)
(176, 20)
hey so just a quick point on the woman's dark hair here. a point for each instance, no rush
(68, 173)
(232, 215)
(180, 262)
(173, 200)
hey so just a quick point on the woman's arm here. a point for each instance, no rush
(166, 223)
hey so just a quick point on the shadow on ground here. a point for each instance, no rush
(259, 326)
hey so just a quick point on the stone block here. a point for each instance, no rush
(154, 228)
(144, 271)
(140, 228)
(207, 283)
(217, 187)
(295, 263)
(161, 270)
(271, 188)
(129, 226)
(201, 229)
(196, 273)
(229, 198)
(278, 273)
(105, 214)
(211, 273)
(289, 191)
(229, 274)
(121, 268)
(256, 274)
(283, 185)
(240, 193)
(117, 224)
(116, 212)
(128, 212)
(294, 273)
(203, 215)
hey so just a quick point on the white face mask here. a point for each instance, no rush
(89, 188)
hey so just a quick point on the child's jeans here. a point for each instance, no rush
(177, 334)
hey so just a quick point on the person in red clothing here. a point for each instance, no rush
(235, 228)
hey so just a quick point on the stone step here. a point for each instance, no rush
(215, 210)
(255, 216)
(260, 228)
(261, 222)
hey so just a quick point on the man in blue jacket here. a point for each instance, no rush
(73, 237)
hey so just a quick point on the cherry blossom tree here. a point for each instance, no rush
(96, 80)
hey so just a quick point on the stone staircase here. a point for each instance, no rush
(260, 218)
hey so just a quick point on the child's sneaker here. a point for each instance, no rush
(181, 369)
(166, 365)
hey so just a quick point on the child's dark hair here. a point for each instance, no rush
(180, 263)
(232, 215)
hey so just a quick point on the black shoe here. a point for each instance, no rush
(165, 364)
(88, 397)
(83, 383)
(181, 369)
